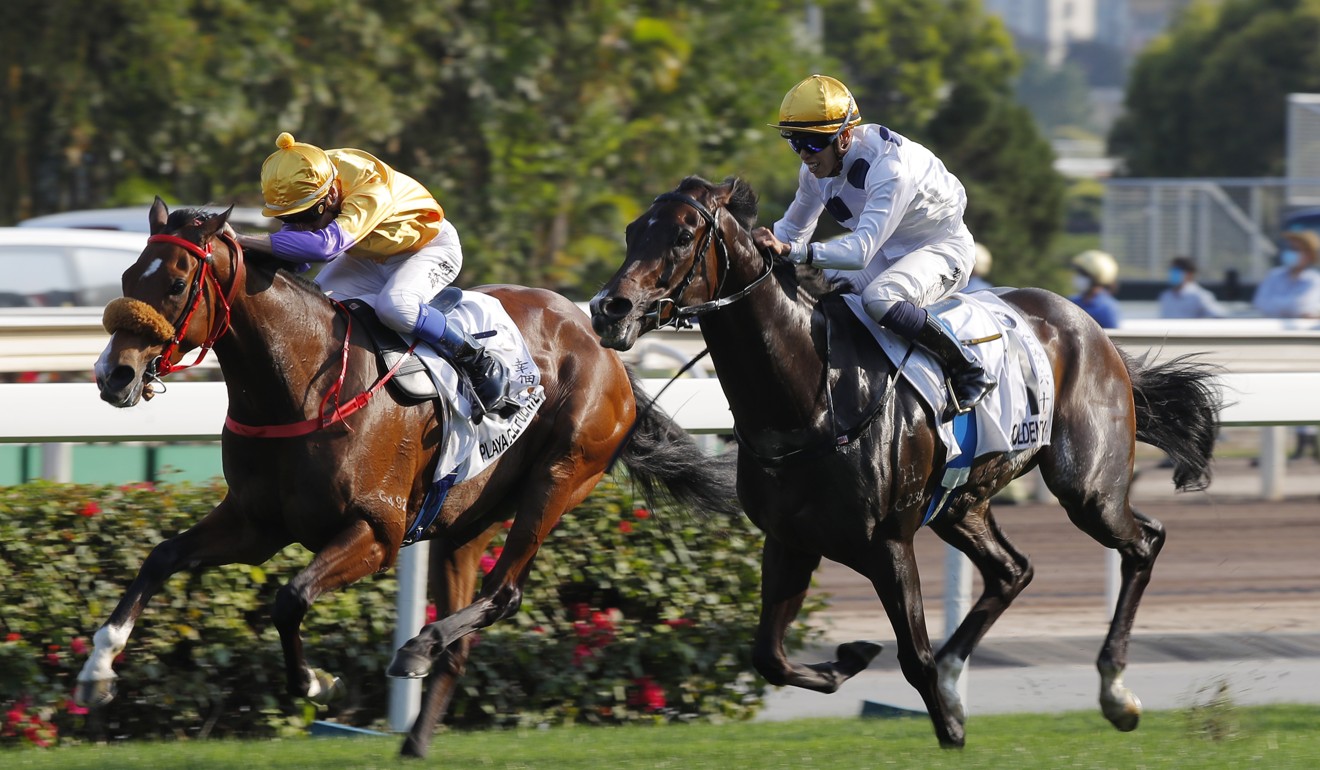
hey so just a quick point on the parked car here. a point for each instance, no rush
(63, 267)
(245, 219)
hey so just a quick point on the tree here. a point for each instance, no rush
(1209, 99)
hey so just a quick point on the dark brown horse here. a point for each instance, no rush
(788, 358)
(349, 490)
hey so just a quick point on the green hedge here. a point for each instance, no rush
(629, 615)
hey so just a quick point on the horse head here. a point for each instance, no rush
(687, 254)
(177, 298)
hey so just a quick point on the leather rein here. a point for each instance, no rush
(163, 364)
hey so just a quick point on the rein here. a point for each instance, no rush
(163, 365)
(682, 314)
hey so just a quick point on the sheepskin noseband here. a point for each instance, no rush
(132, 315)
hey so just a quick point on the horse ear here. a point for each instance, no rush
(216, 223)
(157, 216)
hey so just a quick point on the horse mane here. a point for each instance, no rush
(267, 262)
(742, 206)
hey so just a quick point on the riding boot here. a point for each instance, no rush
(968, 381)
(490, 382)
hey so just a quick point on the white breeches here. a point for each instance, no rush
(921, 277)
(397, 287)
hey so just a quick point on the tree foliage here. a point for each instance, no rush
(542, 128)
(1210, 98)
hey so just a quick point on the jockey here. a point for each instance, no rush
(908, 246)
(398, 249)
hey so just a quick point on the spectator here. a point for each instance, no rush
(1094, 277)
(1185, 298)
(980, 270)
(1292, 290)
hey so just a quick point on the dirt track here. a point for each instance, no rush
(1229, 565)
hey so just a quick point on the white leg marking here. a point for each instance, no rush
(108, 642)
(949, 672)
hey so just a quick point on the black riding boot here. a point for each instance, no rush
(968, 382)
(490, 383)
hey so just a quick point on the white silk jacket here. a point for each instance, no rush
(892, 193)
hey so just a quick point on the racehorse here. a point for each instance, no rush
(789, 358)
(350, 472)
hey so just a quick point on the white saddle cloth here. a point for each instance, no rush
(1019, 412)
(469, 449)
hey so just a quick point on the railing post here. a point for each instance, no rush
(410, 611)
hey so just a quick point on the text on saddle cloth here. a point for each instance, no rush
(1017, 414)
(469, 449)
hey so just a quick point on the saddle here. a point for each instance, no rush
(412, 382)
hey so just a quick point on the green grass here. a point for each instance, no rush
(1222, 736)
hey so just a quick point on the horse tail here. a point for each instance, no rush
(666, 462)
(1178, 406)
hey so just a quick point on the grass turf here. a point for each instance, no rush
(1205, 738)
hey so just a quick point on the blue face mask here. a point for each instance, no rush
(1176, 276)
(1289, 257)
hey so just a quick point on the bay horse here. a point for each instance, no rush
(789, 358)
(348, 484)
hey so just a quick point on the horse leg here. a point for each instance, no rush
(894, 576)
(352, 554)
(1119, 705)
(221, 537)
(1095, 495)
(558, 488)
(1005, 572)
(785, 578)
(453, 577)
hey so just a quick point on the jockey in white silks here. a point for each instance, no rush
(908, 246)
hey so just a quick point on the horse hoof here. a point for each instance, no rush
(856, 656)
(325, 688)
(94, 694)
(1125, 717)
(408, 665)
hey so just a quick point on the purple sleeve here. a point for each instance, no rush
(310, 245)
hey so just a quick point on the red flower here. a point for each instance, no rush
(508, 524)
(641, 513)
(73, 708)
(625, 527)
(13, 637)
(487, 563)
(432, 614)
(78, 646)
(580, 610)
(648, 695)
(680, 623)
(581, 653)
(89, 508)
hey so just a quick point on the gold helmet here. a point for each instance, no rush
(818, 105)
(294, 177)
(1097, 265)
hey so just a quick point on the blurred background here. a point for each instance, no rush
(1150, 128)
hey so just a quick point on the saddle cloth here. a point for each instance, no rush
(1019, 412)
(469, 449)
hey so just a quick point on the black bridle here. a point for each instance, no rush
(680, 316)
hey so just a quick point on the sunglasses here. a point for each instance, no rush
(812, 143)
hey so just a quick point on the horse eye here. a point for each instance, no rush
(684, 239)
(177, 287)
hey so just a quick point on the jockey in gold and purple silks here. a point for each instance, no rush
(387, 241)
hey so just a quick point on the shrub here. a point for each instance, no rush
(628, 615)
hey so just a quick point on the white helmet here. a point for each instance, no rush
(983, 261)
(1097, 265)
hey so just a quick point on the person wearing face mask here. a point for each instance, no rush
(1095, 274)
(1185, 298)
(1292, 290)
(907, 246)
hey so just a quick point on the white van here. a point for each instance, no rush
(245, 219)
(58, 267)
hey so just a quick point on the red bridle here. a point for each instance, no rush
(164, 364)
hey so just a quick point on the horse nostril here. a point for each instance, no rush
(616, 308)
(120, 377)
